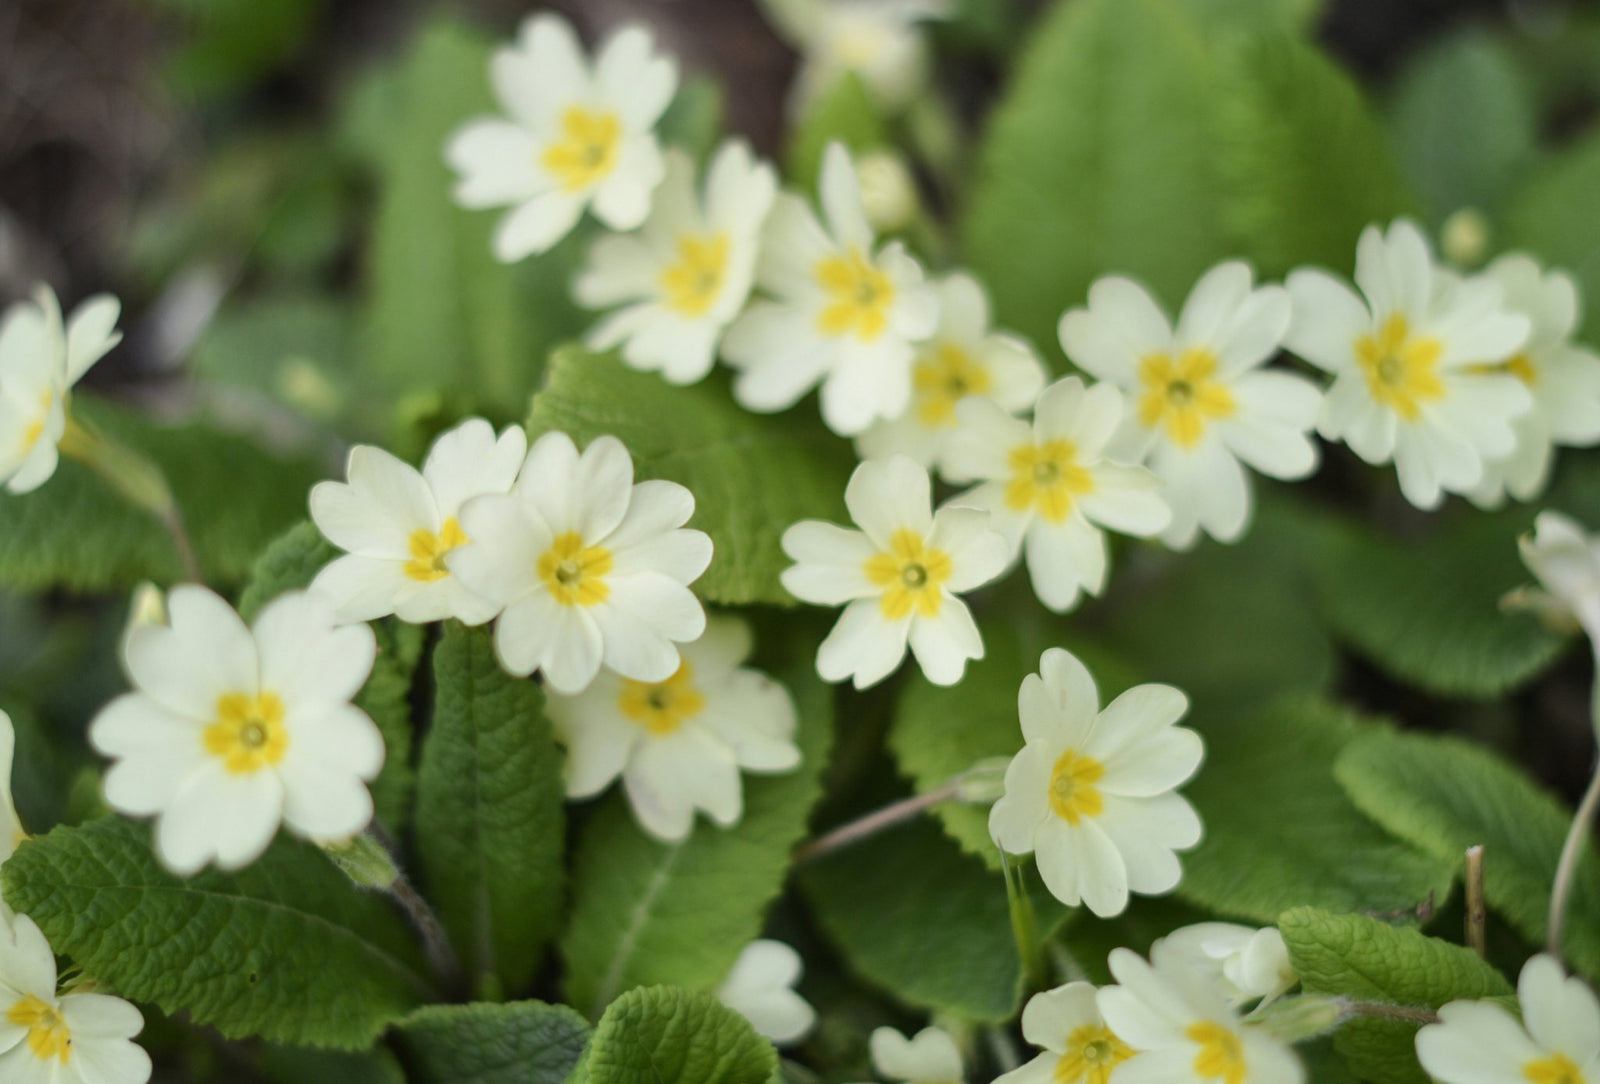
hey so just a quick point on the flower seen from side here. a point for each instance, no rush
(880, 41)
(1246, 964)
(1078, 1047)
(1566, 560)
(760, 988)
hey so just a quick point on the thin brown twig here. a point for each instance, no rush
(1477, 914)
(887, 817)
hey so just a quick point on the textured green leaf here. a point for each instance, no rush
(290, 563)
(491, 818)
(1280, 832)
(523, 1042)
(646, 912)
(1445, 795)
(1556, 215)
(286, 949)
(667, 1035)
(1100, 158)
(846, 114)
(1362, 959)
(751, 476)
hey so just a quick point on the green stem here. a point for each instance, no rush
(1024, 926)
(1407, 1013)
(1567, 867)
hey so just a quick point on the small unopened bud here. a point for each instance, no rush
(306, 386)
(1296, 1019)
(984, 782)
(888, 191)
(364, 860)
(147, 607)
(1465, 236)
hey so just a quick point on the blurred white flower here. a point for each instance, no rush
(929, 1057)
(234, 729)
(1049, 487)
(1078, 1046)
(398, 526)
(1557, 1042)
(1203, 404)
(40, 360)
(579, 136)
(1566, 560)
(963, 359)
(841, 311)
(11, 833)
(1091, 793)
(897, 577)
(679, 744)
(760, 988)
(1246, 964)
(50, 1038)
(1414, 361)
(587, 567)
(682, 279)
(879, 40)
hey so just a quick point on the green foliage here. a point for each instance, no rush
(288, 346)
(1445, 795)
(491, 819)
(1280, 832)
(1099, 158)
(298, 1065)
(231, 43)
(647, 912)
(1360, 958)
(285, 950)
(522, 1042)
(1279, 15)
(694, 120)
(751, 476)
(845, 113)
(666, 1035)
(1556, 214)
(290, 563)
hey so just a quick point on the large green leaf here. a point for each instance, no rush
(1256, 15)
(1280, 832)
(523, 1042)
(1556, 215)
(491, 818)
(751, 476)
(647, 912)
(1362, 959)
(1100, 158)
(1445, 795)
(287, 949)
(667, 1035)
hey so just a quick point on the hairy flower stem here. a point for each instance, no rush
(1390, 1012)
(369, 863)
(1567, 867)
(890, 815)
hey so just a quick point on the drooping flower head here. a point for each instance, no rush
(1078, 1046)
(929, 1057)
(579, 136)
(760, 988)
(1246, 964)
(1566, 559)
(881, 41)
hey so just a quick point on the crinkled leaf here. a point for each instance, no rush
(521, 1042)
(667, 1035)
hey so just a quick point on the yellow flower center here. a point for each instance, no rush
(942, 377)
(35, 428)
(859, 296)
(1093, 1050)
(1400, 368)
(1221, 1055)
(428, 551)
(1073, 794)
(248, 733)
(1181, 394)
(661, 707)
(691, 286)
(587, 151)
(912, 574)
(1047, 477)
(574, 573)
(1556, 1069)
(48, 1034)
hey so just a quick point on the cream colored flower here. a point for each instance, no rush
(1246, 964)
(929, 1057)
(879, 40)
(760, 988)
(1078, 1046)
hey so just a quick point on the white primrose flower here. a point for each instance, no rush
(897, 577)
(40, 360)
(1246, 964)
(1557, 1042)
(1049, 487)
(1562, 377)
(963, 359)
(760, 988)
(679, 744)
(234, 729)
(1414, 362)
(1566, 559)
(682, 279)
(1184, 1031)
(1202, 403)
(929, 1057)
(11, 833)
(842, 312)
(1091, 793)
(398, 525)
(587, 567)
(1078, 1046)
(66, 1038)
(881, 41)
(579, 136)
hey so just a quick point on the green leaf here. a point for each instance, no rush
(1280, 832)
(1464, 123)
(647, 912)
(1256, 15)
(297, 1065)
(666, 1035)
(285, 950)
(289, 346)
(1445, 795)
(1305, 164)
(1427, 609)
(694, 121)
(1556, 215)
(231, 43)
(491, 818)
(1098, 159)
(290, 563)
(523, 1042)
(751, 475)
(845, 113)
(1362, 959)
